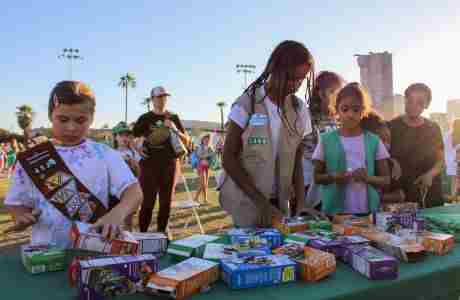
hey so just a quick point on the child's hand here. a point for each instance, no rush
(425, 181)
(108, 231)
(23, 220)
(342, 178)
(360, 175)
(276, 213)
(110, 224)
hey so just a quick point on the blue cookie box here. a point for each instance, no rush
(244, 275)
(273, 236)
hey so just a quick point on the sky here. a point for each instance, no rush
(192, 48)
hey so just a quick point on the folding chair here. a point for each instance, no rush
(186, 204)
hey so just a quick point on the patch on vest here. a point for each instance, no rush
(258, 120)
(255, 140)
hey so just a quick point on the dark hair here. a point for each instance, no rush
(357, 91)
(418, 87)
(285, 57)
(115, 142)
(71, 92)
(324, 80)
(373, 122)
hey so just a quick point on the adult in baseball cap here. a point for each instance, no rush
(159, 91)
(159, 163)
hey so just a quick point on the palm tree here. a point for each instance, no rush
(127, 81)
(25, 116)
(146, 102)
(221, 106)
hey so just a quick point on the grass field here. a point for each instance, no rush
(212, 217)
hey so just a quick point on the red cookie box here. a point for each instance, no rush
(94, 242)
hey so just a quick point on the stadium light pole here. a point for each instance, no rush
(70, 54)
(245, 69)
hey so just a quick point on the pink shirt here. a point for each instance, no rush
(355, 192)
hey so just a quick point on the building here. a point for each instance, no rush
(453, 109)
(376, 74)
(441, 119)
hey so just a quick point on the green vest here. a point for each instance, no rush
(333, 195)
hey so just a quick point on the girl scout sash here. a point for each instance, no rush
(60, 187)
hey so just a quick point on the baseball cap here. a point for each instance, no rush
(159, 91)
(121, 128)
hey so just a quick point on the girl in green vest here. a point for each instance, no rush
(349, 163)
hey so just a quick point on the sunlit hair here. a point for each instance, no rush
(373, 122)
(418, 87)
(285, 58)
(70, 93)
(324, 80)
(355, 91)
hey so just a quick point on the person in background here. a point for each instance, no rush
(206, 156)
(13, 149)
(122, 142)
(451, 140)
(326, 87)
(263, 144)
(2, 157)
(417, 145)
(159, 165)
(220, 146)
(350, 163)
(375, 124)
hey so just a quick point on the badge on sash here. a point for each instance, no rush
(258, 120)
(59, 186)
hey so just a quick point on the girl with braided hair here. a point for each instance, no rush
(263, 150)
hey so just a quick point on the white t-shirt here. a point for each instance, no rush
(100, 168)
(130, 153)
(241, 117)
(355, 192)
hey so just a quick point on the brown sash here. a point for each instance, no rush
(60, 187)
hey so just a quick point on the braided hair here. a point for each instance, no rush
(285, 58)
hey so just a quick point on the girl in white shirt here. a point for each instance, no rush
(98, 167)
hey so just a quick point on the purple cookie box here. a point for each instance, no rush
(324, 244)
(371, 262)
(351, 240)
(105, 277)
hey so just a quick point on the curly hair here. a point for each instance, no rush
(355, 91)
(373, 122)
